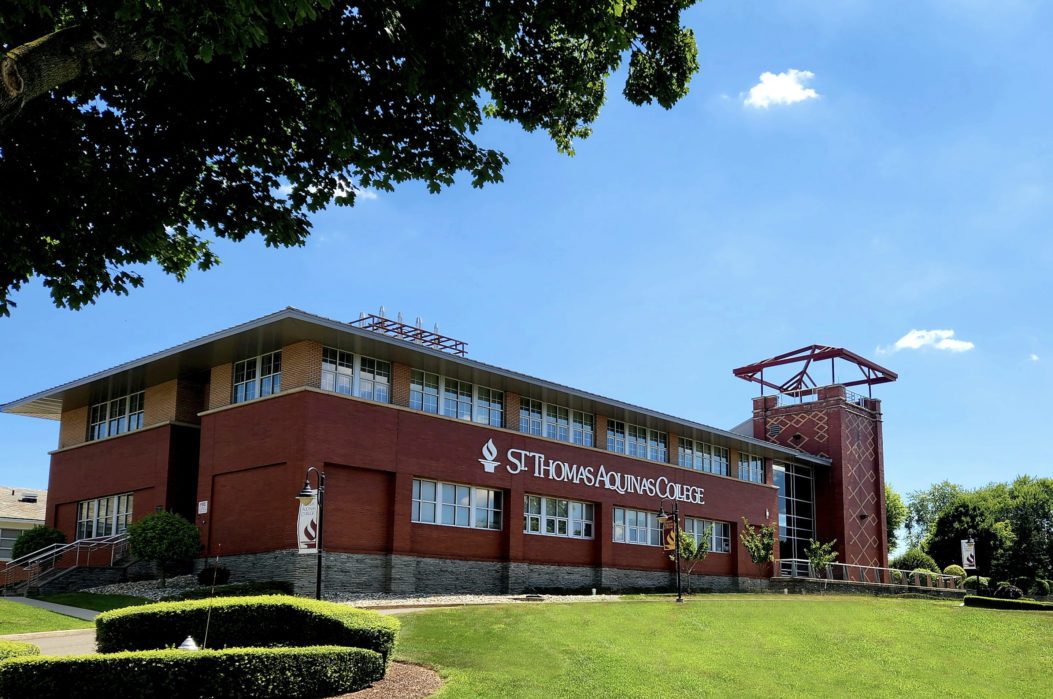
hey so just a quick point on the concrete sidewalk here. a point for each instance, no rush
(75, 612)
(75, 642)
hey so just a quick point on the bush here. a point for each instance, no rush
(247, 589)
(213, 575)
(243, 672)
(897, 577)
(920, 576)
(970, 582)
(954, 570)
(35, 539)
(16, 649)
(1007, 591)
(1020, 604)
(163, 537)
(1040, 587)
(245, 621)
(913, 559)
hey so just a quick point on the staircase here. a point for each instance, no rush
(65, 561)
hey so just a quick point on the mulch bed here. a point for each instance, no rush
(402, 681)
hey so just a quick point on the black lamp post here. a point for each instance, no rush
(305, 496)
(663, 517)
(976, 561)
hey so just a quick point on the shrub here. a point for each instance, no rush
(246, 589)
(920, 576)
(1023, 582)
(163, 537)
(243, 672)
(954, 570)
(1040, 587)
(35, 539)
(970, 582)
(213, 575)
(913, 559)
(1007, 591)
(245, 621)
(16, 649)
(1021, 604)
(820, 555)
(897, 577)
(759, 541)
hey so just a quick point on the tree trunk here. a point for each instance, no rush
(32, 69)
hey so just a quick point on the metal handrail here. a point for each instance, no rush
(28, 569)
(868, 575)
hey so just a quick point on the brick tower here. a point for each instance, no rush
(834, 422)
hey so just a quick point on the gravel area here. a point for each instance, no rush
(402, 681)
(150, 589)
(387, 600)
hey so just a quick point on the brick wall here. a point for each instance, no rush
(190, 399)
(220, 386)
(73, 429)
(160, 402)
(674, 448)
(302, 365)
(511, 410)
(601, 432)
(400, 384)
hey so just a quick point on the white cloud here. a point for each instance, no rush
(1033, 357)
(936, 339)
(781, 88)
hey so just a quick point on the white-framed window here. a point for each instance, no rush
(8, 537)
(636, 527)
(634, 440)
(257, 377)
(530, 420)
(751, 468)
(557, 517)
(338, 371)
(557, 423)
(703, 457)
(424, 391)
(116, 415)
(374, 379)
(490, 406)
(582, 428)
(719, 533)
(456, 505)
(457, 399)
(104, 516)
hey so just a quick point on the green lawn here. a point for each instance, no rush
(90, 600)
(21, 618)
(735, 645)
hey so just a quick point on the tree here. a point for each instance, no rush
(895, 516)
(163, 537)
(127, 128)
(759, 541)
(970, 513)
(692, 551)
(32, 540)
(820, 556)
(924, 506)
(914, 559)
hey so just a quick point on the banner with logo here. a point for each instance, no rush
(969, 555)
(307, 527)
(669, 534)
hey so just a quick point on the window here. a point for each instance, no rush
(258, 377)
(116, 415)
(796, 509)
(374, 380)
(636, 527)
(104, 516)
(490, 407)
(703, 457)
(582, 427)
(7, 542)
(456, 505)
(719, 533)
(637, 441)
(530, 416)
(457, 399)
(751, 468)
(557, 517)
(557, 423)
(338, 371)
(424, 391)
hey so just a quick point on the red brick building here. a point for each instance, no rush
(444, 473)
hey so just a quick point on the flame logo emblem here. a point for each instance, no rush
(310, 533)
(489, 460)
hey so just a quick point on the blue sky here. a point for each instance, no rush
(910, 191)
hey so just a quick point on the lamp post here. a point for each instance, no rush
(305, 496)
(976, 561)
(663, 517)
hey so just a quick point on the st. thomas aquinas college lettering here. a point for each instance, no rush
(593, 477)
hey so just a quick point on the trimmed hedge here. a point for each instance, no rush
(16, 649)
(1020, 604)
(246, 589)
(245, 621)
(954, 570)
(321, 671)
(915, 558)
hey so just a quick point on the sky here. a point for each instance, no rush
(868, 175)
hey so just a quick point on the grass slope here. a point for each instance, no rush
(21, 618)
(90, 600)
(734, 645)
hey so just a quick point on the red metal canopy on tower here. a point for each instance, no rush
(801, 383)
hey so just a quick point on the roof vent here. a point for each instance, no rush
(28, 497)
